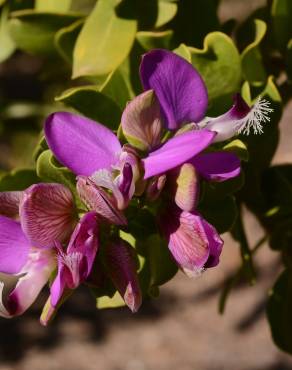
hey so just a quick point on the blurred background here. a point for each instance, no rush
(180, 330)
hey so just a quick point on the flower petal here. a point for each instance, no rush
(184, 185)
(121, 266)
(98, 200)
(176, 151)
(217, 166)
(82, 145)
(14, 246)
(142, 122)
(47, 214)
(180, 89)
(239, 119)
(34, 276)
(191, 240)
(215, 244)
(59, 284)
(9, 203)
(84, 240)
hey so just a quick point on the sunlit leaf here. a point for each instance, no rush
(166, 12)
(281, 12)
(49, 170)
(220, 66)
(65, 40)
(104, 41)
(7, 45)
(251, 57)
(53, 5)
(152, 40)
(34, 31)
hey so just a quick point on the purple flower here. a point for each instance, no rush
(122, 269)
(76, 261)
(47, 214)
(192, 241)
(91, 150)
(183, 98)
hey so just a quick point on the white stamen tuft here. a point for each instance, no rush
(258, 115)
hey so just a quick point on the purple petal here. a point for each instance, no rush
(121, 266)
(180, 89)
(98, 200)
(193, 243)
(141, 121)
(177, 151)
(155, 187)
(47, 214)
(14, 246)
(58, 286)
(82, 145)
(215, 244)
(84, 241)
(34, 276)
(9, 203)
(217, 166)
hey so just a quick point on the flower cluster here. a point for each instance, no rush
(163, 151)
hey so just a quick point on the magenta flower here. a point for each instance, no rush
(47, 213)
(183, 98)
(194, 244)
(76, 261)
(122, 268)
(95, 155)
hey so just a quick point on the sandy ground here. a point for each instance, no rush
(181, 330)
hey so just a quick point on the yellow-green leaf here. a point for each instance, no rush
(53, 5)
(251, 58)
(104, 41)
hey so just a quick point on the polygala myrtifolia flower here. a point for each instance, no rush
(31, 245)
(167, 156)
(175, 102)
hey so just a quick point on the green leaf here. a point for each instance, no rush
(104, 41)
(49, 170)
(18, 180)
(89, 101)
(116, 87)
(251, 58)
(161, 264)
(7, 45)
(220, 66)
(166, 12)
(216, 191)
(110, 302)
(281, 12)
(221, 213)
(53, 5)
(154, 40)
(183, 51)
(65, 40)
(279, 310)
(34, 31)
(239, 148)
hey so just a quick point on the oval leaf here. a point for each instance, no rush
(104, 41)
